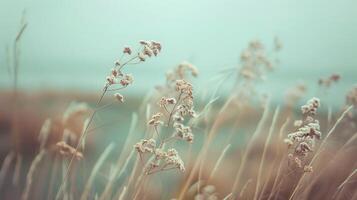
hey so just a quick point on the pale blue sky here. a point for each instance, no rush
(70, 44)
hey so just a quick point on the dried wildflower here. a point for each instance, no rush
(117, 77)
(166, 101)
(127, 50)
(117, 63)
(181, 71)
(171, 101)
(327, 82)
(119, 97)
(174, 159)
(311, 106)
(145, 146)
(127, 80)
(165, 161)
(67, 150)
(150, 48)
(175, 109)
(114, 72)
(254, 61)
(154, 121)
(110, 80)
(184, 87)
(302, 141)
(183, 132)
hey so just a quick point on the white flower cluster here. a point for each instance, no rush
(150, 48)
(155, 120)
(163, 160)
(173, 159)
(183, 132)
(253, 60)
(310, 108)
(164, 101)
(181, 71)
(302, 141)
(145, 146)
(117, 77)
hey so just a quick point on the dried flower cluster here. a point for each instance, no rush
(181, 71)
(163, 160)
(117, 77)
(327, 82)
(173, 116)
(301, 142)
(68, 151)
(254, 60)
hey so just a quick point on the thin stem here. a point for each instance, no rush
(157, 133)
(173, 109)
(79, 143)
(116, 89)
(128, 61)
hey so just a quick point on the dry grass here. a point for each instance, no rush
(227, 147)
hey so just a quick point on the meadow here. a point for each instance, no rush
(175, 142)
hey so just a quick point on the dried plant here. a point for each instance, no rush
(302, 141)
(254, 153)
(175, 111)
(327, 82)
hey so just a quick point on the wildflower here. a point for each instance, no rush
(155, 119)
(143, 42)
(174, 159)
(162, 102)
(110, 80)
(326, 82)
(148, 51)
(117, 63)
(127, 50)
(141, 56)
(127, 79)
(145, 146)
(183, 132)
(170, 100)
(119, 97)
(311, 106)
(302, 141)
(184, 87)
